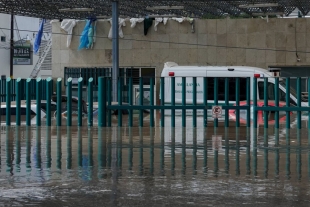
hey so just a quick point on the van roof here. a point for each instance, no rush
(170, 65)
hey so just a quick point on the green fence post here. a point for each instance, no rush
(248, 101)
(172, 145)
(227, 102)
(265, 102)
(109, 96)
(288, 98)
(237, 135)
(18, 100)
(141, 102)
(102, 102)
(130, 103)
(49, 82)
(90, 101)
(194, 153)
(184, 152)
(288, 152)
(195, 101)
(8, 101)
(69, 148)
(28, 101)
(205, 101)
(205, 149)
(276, 92)
(238, 102)
(69, 101)
(216, 99)
(58, 112)
(152, 102)
(120, 95)
(173, 101)
(80, 101)
(162, 101)
(277, 157)
(183, 101)
(299, 102)
(152, 137)
(226, 150)
(38, 101)
(141, 149)
(255, 102)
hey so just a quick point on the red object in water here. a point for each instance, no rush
(260, 113)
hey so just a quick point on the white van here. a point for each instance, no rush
(172, 69)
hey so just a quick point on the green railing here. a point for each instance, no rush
(23, 82)
(210, 89)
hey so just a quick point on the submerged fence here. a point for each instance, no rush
(140, 151)
(213, 91)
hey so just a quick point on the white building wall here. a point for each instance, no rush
(26, 26)
(4, 46)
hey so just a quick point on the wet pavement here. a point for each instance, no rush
(122, 166)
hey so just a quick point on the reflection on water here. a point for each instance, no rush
(154, 166)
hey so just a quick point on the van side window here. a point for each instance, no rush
(270, 89)
(232, 89)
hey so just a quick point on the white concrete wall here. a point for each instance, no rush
(4, 47)
(30, 27)
(250, 42)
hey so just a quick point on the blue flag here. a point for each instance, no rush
(37, 41)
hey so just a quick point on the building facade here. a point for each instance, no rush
(25, 30)
(273, 42)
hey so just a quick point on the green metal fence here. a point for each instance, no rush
(95, 72)
(43, 89)
(23, 82)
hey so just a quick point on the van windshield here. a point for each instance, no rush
(292, 91)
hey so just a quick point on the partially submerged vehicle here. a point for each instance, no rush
(23, 109)
(74, 105)
(260, 113)
(172, 69)
(113, 112)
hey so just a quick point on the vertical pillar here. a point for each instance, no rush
(28, 102)
(80, 97)
(58, 113)
(38, 100)
(115, 48)
(18, 100)
(8, 101)
(69, 102)
(49, 83)
(12, 46)
(90, 101)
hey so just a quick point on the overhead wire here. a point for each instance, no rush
(178, 43)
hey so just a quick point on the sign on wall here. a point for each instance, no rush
(22, 53)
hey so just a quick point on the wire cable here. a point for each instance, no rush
(177, 43)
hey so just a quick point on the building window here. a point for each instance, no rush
(3, 38)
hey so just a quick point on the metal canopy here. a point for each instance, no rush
(50, 9)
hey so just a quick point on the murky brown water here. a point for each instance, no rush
(81, 166)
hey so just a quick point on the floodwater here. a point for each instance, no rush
(122, 166)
